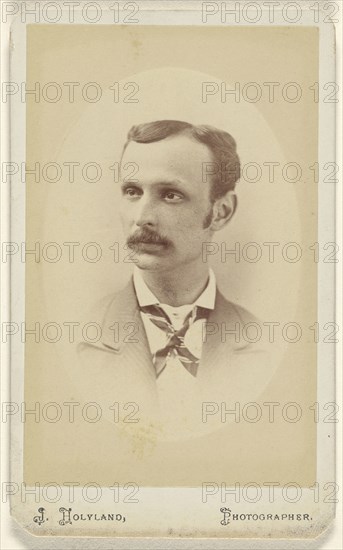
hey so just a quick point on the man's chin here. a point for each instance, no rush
(149, 262)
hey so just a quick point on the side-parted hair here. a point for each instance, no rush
(224, 172)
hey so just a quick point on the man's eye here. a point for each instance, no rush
(131, 192)
(170, 196)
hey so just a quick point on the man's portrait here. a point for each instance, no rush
(170, 211)
(174, 286)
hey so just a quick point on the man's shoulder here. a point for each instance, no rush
(109, 314)
(125, 299)
(231, 311)
(122, 299)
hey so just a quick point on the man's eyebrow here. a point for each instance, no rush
(170, 183)
(161, 183)
(129, 182)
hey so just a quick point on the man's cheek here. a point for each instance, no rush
(122, 215)
(125, 218)
(190, 219)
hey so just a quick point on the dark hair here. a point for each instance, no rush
(225, 171)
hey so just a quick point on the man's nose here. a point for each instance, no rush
(145, 214)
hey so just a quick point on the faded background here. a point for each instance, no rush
(169, 66)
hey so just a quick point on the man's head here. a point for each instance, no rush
(182, 191)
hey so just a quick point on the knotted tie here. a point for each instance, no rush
(176, 337)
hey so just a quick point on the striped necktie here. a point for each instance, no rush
(175, 337)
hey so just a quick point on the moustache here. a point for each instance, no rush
(147, 236)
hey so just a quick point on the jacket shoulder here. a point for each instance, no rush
(231, 311)
(112, 303)
(118, 307)
(243, 314)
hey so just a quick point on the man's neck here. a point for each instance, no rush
(177, 287)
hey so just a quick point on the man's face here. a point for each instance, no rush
(164, 211)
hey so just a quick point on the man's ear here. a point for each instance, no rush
(223, 210)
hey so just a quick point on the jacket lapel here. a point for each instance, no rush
(123, 332)
(218, 344)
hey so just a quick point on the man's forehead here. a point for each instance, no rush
(175, 152)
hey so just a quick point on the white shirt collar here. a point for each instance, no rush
(146, 298)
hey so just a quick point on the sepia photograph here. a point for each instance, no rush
(172, 253)
(180, 285)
